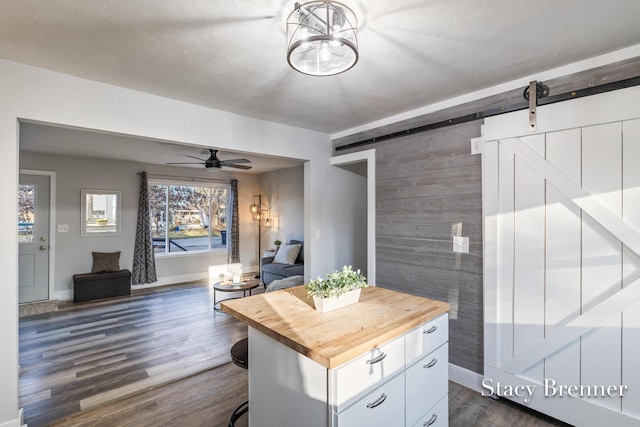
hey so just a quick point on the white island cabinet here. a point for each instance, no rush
(381, 362)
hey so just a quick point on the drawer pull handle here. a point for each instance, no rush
(431, 364)
(431, 330)
(376, 359)
(433, 419)
(378, 402)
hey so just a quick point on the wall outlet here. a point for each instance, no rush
(461, 245)
(63, 228)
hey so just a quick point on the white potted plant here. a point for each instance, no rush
(338, 289)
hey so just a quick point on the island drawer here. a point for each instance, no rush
(368, 370)
(383, 407)
(427, 382)
(426, 338)
(438, 416)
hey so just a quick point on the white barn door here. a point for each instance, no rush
(562, 259)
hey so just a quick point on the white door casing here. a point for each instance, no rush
(562, 255)
(34, 248)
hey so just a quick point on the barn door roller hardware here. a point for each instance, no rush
(542, 97)
(532, 93)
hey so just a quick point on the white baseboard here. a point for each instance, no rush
(464, 377)
(14, 423)
(67, 295)
(172, 280)
(63, 296)
(183, 278)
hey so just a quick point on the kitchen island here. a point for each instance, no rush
(380, 362)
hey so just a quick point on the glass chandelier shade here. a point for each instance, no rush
(322, 38)
(255, 207)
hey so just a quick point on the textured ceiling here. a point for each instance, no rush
(230, 55)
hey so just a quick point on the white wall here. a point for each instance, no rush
(33, 94)
(362, 182)
(283, 194)
(73, 253)
(354, 185)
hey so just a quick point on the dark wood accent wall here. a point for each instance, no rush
(426, 183)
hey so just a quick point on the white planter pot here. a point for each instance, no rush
(327, 304)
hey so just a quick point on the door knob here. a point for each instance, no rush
(43, 239)
(43, 247)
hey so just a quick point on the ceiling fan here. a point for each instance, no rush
(213, 162)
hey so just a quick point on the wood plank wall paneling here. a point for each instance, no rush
(425, 183)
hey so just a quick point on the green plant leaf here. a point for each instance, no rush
(337, 283)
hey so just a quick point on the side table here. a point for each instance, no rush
(228, 286)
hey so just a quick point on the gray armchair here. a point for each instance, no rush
(270, 271)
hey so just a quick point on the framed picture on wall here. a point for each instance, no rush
(100, 213)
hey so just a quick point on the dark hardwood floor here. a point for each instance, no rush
(99, 364)
(207, 399)
(470, 408)
(87, 355)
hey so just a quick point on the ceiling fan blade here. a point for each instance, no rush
(237, 166)
(197, 158)
(185, 163)
(236, 161)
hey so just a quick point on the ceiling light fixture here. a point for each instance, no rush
(322, 38)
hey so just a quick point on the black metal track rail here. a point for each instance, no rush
(580, 93)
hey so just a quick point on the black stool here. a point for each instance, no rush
(240, 357)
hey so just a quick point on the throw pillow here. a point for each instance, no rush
(105, 261)
(287, 254)
(300, 259)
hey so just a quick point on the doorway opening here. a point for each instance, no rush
(363, 166)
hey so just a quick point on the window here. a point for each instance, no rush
(187, 218)
(26, 212)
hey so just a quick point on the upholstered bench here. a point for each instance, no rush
(92, 286)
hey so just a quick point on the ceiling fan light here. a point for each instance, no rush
(311, 28)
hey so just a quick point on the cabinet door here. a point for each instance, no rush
(426, 383)
(383, 407)
(438, 416)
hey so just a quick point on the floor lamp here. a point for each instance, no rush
(257, 214)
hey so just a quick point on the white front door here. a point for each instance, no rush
(33, 238)
(562, 259)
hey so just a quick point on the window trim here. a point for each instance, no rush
(115, 230)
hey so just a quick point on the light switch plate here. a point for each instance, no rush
(476, 146)
(63, 228)
(461, 245)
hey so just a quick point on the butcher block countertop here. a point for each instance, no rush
(338, 336)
